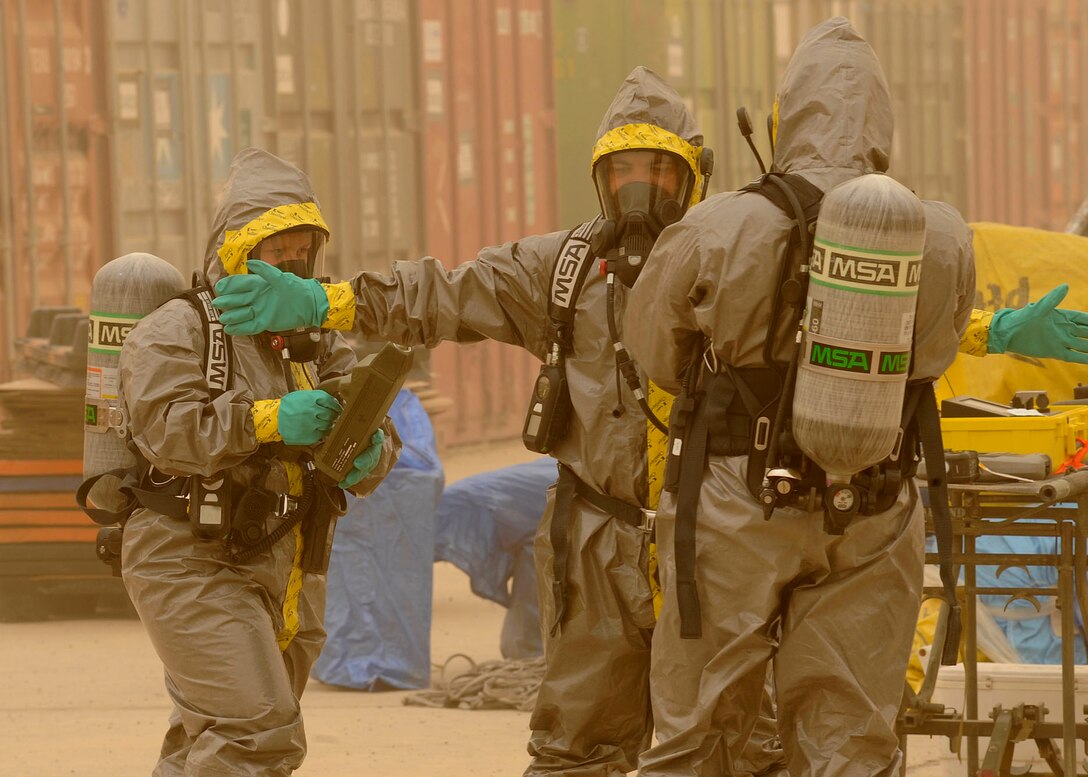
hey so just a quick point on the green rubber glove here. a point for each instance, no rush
(1041, 329)
(365, 462)
(305, 417)
(269, 300)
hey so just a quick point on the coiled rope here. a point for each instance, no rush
(490, 685)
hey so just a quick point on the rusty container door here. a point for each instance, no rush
(920, 46)
(489, 163)
(595, 46)
(748, 49)
(54, 192)
(691, 58)
(328, 85)
(1027, 109)
(341, 101)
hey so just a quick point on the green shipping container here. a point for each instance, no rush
(716, 53)
(596, 44)
(723, 54)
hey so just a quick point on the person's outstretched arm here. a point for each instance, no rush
(1040, 329)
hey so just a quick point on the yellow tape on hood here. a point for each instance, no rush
(237, 243)
(649, 136)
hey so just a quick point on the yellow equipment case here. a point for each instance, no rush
(1054, 434)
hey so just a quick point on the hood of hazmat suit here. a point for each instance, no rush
(845, 604)
(263, 195)
(237, 638)
(646, 166)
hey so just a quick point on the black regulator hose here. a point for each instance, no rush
(625, 365)
(302, 509)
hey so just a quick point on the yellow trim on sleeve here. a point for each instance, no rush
(237, 243)
(265, 414)
(341, 306)
(975, 340)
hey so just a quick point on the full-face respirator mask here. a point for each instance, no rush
(626, 242)
(642, 191)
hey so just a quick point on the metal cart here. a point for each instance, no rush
(1058, 508)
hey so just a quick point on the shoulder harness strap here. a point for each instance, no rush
(572, 267)
(929, 433)
(218, 354)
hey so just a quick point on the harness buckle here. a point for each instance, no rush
(285, 503)
(762, 433)
(710, 359)
(897, 448)
(649, 519)
(159, 483)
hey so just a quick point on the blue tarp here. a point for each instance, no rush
(1033, 633)
(378, 610)
(485, 527)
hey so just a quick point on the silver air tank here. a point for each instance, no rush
(859, 323)
(124, 291)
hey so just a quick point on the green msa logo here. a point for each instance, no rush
(859, 360)
(844, 359)
(894, 363)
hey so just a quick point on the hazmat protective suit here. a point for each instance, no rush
(236, 639)
(835, 613)
(593, 711)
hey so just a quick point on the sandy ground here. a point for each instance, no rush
(85, 697)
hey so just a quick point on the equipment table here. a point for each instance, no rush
(1056, 507)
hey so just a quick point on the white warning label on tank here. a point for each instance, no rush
(871, 272)
(102, 383)
(906, 331)
(106, 332)
(815, 316)
(111, 378)
(94, 383)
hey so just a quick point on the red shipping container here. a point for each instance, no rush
(1026, 126)
(53, 180)
(489, 165)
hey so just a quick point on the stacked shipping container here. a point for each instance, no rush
(53, 159)
(439, 126)
(162, 93)
(489, 163)
(1027, 106)
(328, 85)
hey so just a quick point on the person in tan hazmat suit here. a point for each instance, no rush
(834, 612)
(237, 624)
(592, 551)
